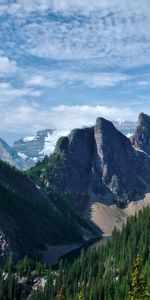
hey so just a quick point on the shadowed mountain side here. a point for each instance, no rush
(31, 221)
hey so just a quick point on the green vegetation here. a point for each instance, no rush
(30, 219)
(118, 271)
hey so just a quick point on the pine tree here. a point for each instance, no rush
(138, 288)
(61, 295)
(81, 296)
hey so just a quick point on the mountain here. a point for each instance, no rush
(34, 148)
(97, 163)
(141, 136)
(11, 156)
(31, 222)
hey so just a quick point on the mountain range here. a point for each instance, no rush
(92, 170)
(27, 151)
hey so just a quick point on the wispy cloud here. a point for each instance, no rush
(8, 93)
(48, 46)
(93, 80)
(110, 33)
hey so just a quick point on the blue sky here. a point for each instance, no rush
(64, 62)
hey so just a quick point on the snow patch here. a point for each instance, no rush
(22, 155)
(129, 134)
(35, 159)
(51, 140)
(29, 138)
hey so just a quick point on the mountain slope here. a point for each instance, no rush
(97, 163)
(11, 156)
(30, 221)
(105, 272)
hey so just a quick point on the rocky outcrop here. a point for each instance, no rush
(141, 137)
(98, 163)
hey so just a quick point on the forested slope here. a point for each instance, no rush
(106, 273)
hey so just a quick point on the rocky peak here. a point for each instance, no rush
(100, 163)
(141, 137)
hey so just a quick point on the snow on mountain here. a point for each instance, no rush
(35, 147)
(29, 138)
(50, 141)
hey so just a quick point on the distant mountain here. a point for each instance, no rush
(34, 148)
(11, 156)
(31, 221)
(126, 127)
(97, 163)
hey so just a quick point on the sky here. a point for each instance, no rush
(63, 63)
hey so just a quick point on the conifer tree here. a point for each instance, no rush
(138, 288)
(61, 295)
(81, 296)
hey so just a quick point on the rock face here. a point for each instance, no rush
(10, 156)
(98, 163)
(141, 137)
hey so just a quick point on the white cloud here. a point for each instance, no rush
(41, 80)
(91, 79)
(8, 93)
(27, 119)
(102, 32)
(7, 66)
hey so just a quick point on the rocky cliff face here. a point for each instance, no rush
(98, 163)
(141, 137)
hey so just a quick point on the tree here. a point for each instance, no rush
(61, 294)
(81, 296)
(138, 287)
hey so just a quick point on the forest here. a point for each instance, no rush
(117, 271)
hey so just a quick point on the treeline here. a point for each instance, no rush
(118, 271)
